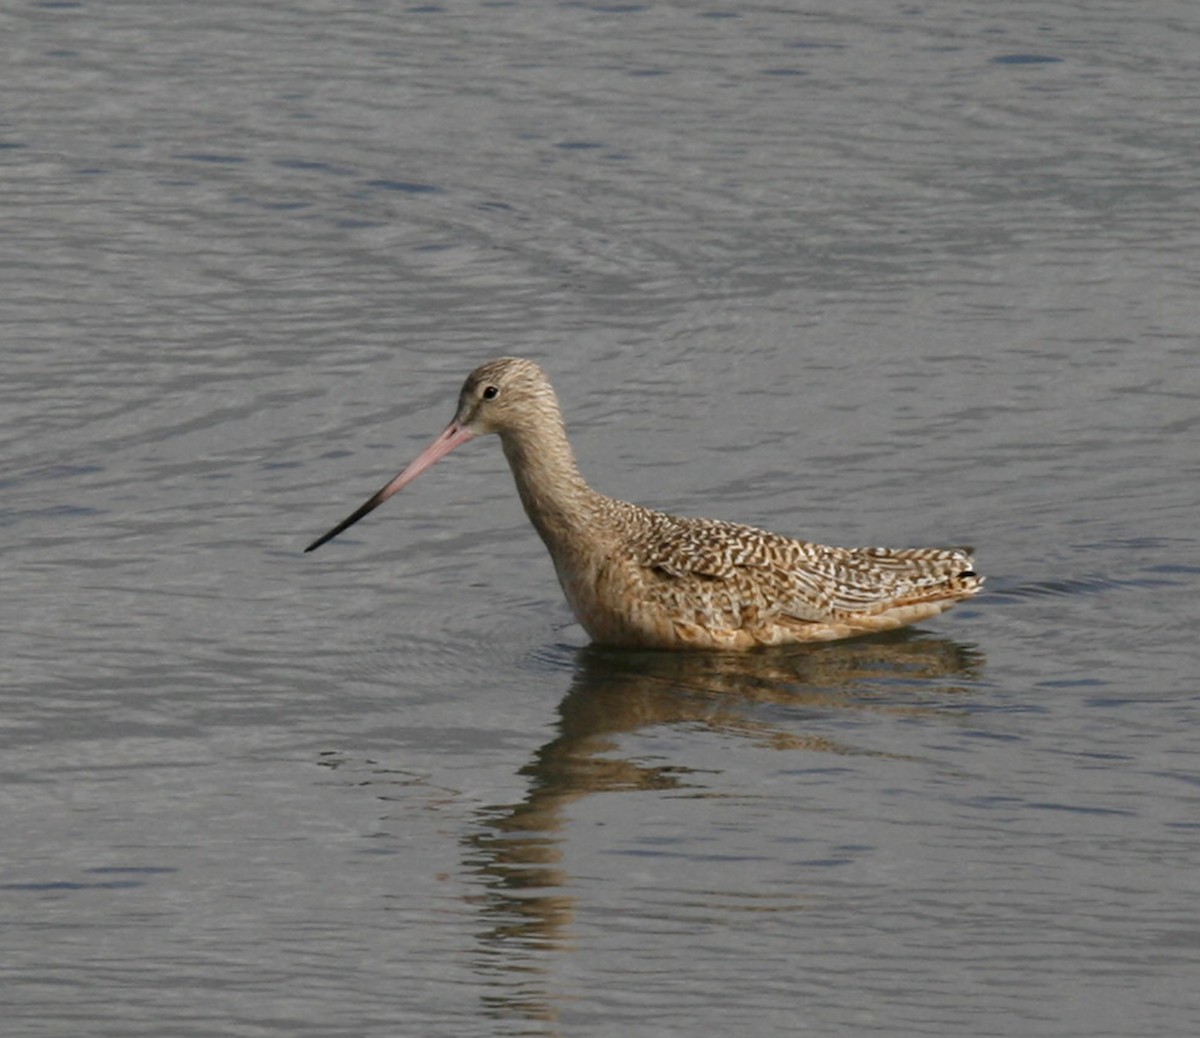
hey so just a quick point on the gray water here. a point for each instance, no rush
(864, 273)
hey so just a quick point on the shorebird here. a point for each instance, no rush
(640, 578)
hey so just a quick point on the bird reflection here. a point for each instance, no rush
(516, 849)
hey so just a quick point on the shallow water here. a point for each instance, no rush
(906, 275)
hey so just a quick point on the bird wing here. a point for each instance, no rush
(798, 579)
(701, 548)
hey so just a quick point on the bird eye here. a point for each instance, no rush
(491, 392)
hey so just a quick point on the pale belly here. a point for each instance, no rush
(623, 606)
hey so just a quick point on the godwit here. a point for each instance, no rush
(637, 577)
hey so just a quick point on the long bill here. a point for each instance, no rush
(453, 435)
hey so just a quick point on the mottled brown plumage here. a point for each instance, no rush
(637, 577)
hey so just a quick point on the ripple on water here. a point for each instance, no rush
(1088, 585)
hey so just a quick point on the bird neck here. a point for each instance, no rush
(555, 495)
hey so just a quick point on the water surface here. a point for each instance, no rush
(895, 274)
